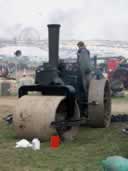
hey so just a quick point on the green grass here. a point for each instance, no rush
(125, 98)
(84, 153)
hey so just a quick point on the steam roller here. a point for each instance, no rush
(60, 105)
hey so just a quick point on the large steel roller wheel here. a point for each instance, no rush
(34, 115)
(99, 103)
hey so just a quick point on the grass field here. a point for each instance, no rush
(83, 154)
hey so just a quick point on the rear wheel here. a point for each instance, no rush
(99, 99)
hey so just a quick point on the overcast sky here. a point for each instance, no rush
(80, 19)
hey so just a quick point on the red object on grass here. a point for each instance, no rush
(55, 141)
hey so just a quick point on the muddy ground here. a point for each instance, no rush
(119, 107)
(7, 106)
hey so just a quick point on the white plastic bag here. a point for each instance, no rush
(23, 144)
(36, 144)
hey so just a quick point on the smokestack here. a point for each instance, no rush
(53, 39)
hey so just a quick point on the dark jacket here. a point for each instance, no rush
(83, 59)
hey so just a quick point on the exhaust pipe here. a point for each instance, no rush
(53, 42)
